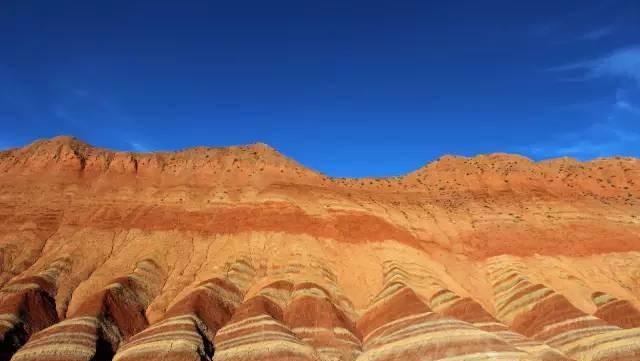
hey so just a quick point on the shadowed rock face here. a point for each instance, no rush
(240, 253)
(189, 326)
(102, 323)
(27, 305)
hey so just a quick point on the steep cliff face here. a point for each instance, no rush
(240, 253)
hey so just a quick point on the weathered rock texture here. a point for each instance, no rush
(240, 253)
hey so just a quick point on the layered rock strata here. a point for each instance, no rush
(241, 253)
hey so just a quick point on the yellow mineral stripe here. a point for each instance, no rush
(603, 341)
(158, 347)
(259, 348)
(394, 323)
(389, 350)
(568, 337)
(525, 303)
(553, 326)
(52, 351)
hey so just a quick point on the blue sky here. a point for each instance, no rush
(350, 88)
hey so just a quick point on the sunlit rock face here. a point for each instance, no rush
(241, 253)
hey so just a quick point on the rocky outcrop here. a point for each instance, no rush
(399, 324)
(258, 330)
(240, 253)
(27, 306)
(105, 320)
(541, 313)
(616, 312)
(189, 326)
(316, 318)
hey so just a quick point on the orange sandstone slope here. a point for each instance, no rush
(240, 253)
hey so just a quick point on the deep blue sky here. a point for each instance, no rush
(350, 88)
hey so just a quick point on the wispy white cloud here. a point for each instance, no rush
(598, 34)
(79, 109)
(618, 132)
(606, 138)
(139, 147)
(624, 63)
(625, 104)
(621, 64)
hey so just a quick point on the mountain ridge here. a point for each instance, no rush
(83, 148)
(241, 252)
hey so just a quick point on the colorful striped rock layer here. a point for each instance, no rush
(241, 253)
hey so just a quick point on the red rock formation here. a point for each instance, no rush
(27, 306)
(399, 324)
(403, 323)
(241, 253)
(539, 312)
(616, 312)
(105, 319)
(314, 317)
(258, 330)
(189, 326)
